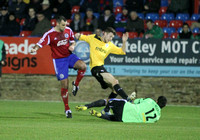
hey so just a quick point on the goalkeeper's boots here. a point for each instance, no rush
(81, 107)
(95, 113)
(68, 114)
(132, 96)
(74, 88)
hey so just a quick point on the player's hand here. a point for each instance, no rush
(77, 35)
(125, 37)
(71, 48)
(33, 50)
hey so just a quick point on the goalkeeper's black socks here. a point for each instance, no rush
(112, 95)
(120, 91)
(98, 103)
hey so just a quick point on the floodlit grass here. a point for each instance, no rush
(29, 120)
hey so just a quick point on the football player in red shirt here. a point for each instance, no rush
(61, 40)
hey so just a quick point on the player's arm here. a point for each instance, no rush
(45, 40)
(124, 39)
(83, 37)
(72, 42)
(72, 46)
(35, 48)
(77, 35)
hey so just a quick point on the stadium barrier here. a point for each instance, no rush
(144, 57)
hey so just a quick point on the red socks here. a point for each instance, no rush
(64, 92)
(80, 75)
(64, 95)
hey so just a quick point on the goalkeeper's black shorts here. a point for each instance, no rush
(117, 105)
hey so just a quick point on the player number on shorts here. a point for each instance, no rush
(150, 117)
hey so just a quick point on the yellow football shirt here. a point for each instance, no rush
(99, 50)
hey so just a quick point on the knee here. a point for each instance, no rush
(83, 66)
(115, 82)
(64, 85)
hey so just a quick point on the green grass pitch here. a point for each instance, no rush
(29, 120)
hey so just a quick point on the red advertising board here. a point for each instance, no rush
(20, 60)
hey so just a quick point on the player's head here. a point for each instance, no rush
(61, 23)
(109, 33)
(162, 101)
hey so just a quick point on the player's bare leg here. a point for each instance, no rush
(110, 79)
(81, 66)
(65, 95)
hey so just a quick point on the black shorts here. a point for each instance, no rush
(96, 73)
(117, 105)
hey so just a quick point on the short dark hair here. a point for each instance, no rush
(162, 101)
(40, 12)
(110, 30)
(4, 8)
(108, 8)
(60, 18)
(185, 24)
(149, 20)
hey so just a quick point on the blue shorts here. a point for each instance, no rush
(62, 65)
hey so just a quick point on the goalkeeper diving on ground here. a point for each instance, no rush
(140, 110)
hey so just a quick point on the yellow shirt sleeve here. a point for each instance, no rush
(84, 38)
(116, 50)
